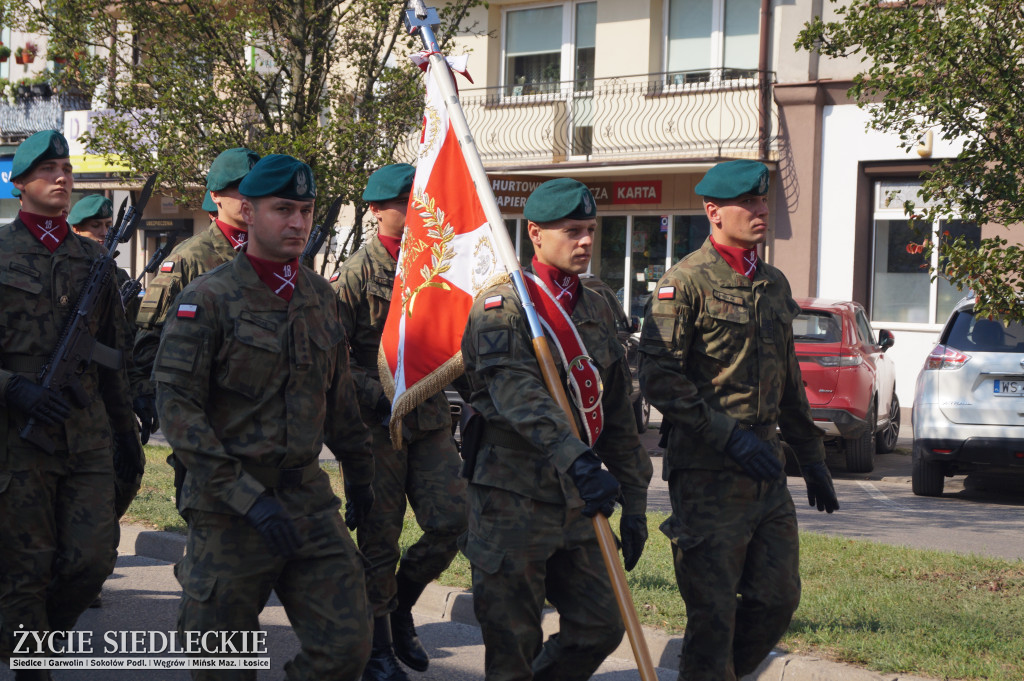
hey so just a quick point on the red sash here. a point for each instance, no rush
(584, 381)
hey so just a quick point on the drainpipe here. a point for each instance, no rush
(763, 83)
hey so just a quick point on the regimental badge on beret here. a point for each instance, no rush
(301, 181)
(561, 198)
(734, 178)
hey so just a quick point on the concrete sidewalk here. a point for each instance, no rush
(456, 605)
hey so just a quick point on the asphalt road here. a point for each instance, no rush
(975, 514)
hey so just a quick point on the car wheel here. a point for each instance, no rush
(642, 412)
(885, 441)
(860, 451)
(926, 478)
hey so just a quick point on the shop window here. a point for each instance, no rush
(545, 46)
(902, 288)
(688, 234)
(711, 40)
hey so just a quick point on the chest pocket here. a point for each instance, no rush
(30, 312)
(380, 287)
(253, 356)
(325, 336)
(22, 278)
(724, 326)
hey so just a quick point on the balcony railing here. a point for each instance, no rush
(33, 114)
(703, 115)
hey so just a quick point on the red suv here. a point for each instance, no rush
(850, 382)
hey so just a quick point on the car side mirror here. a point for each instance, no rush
(634, 323)
(885, 339)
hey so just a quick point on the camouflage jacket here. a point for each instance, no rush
(505, 385)
(716, 350)
(364, 286)
(248, 380)
(194, 256)
(38, 291)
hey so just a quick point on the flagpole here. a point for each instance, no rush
(422, 20)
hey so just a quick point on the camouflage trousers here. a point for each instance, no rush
(736, 554)
(523, 551)
(426, 471)
(227, 575)
(58, 537)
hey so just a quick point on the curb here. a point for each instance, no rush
(453, 604)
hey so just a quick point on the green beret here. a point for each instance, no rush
(227, 170)
(208, 205)
(561, 198)
(389, 182)
(734, 178)
(93, 206)
(279, 175)
(41, 146)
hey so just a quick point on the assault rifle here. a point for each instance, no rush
(131, 288)
(77, 346)
(320, 234)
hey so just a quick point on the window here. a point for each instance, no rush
(711, 40)
(547, 45)
(902, 290)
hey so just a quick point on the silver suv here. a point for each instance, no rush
(969, 403)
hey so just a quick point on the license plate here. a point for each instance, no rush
(1008, 388)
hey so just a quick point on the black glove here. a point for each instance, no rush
(274, 524)
(633, 529)
(128, 456)
(820, 490)
(383, 410)
(144, 407)
(358, 502)
(598, 487)
(754, 455)
(36, 401)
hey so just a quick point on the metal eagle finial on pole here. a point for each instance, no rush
(421, 20)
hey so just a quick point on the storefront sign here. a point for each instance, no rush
(166, 225)
(511, 192)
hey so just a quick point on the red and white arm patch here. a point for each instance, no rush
(187, 311)
(167, 266)
(493, 302)
(667, 293)
(335, 276)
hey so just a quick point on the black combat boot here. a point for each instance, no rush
(382, 665)
(407, 644)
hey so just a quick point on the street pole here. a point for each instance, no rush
(421, 20)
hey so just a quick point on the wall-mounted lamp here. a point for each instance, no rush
(924, 147)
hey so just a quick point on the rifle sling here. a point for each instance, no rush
(23, 364)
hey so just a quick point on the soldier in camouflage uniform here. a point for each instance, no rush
(59, 530)
(92, 218)
(717, 360)
(195, 256)
(534, 486)
(252, 379)
(425, 469)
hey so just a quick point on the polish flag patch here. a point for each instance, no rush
(667, 293)
(168, 266)
(492, 303)
(335, 276)
(187, 311)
